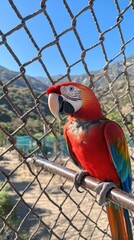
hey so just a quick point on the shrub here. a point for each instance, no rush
(6, 202)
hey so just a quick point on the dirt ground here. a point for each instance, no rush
(54, 206)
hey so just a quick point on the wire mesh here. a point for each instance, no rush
(41, 205)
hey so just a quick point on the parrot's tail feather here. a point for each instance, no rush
(128, 224)
(119, 222)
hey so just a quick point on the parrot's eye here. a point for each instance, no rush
(71, 88)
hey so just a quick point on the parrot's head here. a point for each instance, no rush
(75, 100)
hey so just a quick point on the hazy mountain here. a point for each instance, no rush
(40, 83)
(114, 70)
(23, 99)
(8, 75)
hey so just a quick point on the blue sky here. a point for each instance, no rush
(39, 27)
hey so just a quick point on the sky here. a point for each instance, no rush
(40, 29)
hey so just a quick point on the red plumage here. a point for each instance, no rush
(90, 149)
(95, 143)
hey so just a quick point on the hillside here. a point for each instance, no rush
(19, 93)
(40, 84)
(113, 71)
(6, 75)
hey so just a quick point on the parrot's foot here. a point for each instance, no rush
(102, 189)
(79, 178)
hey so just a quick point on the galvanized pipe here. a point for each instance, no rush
(115, 195)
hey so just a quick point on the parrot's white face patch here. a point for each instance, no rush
(72, 95)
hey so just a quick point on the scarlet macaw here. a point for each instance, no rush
(95, 143)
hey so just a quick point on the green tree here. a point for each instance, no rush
(115, 117)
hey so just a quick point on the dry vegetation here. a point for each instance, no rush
(50, 209)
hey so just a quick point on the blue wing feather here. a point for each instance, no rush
(118, 148)
(123, 169)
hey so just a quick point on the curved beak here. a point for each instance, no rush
(59, 107)
(53, 104)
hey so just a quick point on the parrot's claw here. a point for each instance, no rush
(79, 178)
(102, 189)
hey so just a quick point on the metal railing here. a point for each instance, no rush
(116, 195)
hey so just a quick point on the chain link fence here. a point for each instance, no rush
(35, 203)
